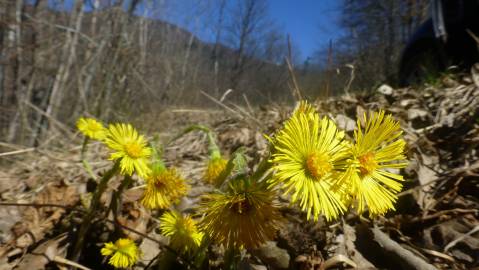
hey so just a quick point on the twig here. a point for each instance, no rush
(188, 111)
(411, 190)
(49, 117)
(62, 260)
(390, 245)
(36, 205)
(69, 29)
(296, 92)
(445, 212)
(247, 114)
(11, 146)
(239, 112)
(248, 104)
(26, 150)
(150, 263)
(425, 250)
(340, 258)
(221, 104)
(351, 79)
(459, 239)
(329, 68)
(476, 39)
(223, 97)
(437, 254)
(435, 202)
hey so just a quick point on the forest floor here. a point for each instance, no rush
(435, 226)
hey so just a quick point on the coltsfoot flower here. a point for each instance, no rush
(91, 128)
(162, 188)
(303, 107)
(182, 230)
(246, 215)
(124, 253)
(308, 157)
(378, 147)
(213, 170)
(131, 149)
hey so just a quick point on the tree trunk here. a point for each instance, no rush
(68, 56)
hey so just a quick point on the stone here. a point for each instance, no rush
(258, 267)
(273, 256)
(345, 122)
(385, 90)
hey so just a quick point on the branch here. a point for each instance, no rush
(392, 246)
(69, 29)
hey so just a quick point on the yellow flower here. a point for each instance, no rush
(130, 148)
(377, 148)
(245, 215)
(309, 155)
(214, 168)
(124, 253)
(91, 128)
(163, 188)
(303, 107)
(182, 230)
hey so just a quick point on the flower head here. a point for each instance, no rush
(309, 155)
(213, 170)
(303, 107)
(124, 253)
(130, 148)
(378, 147)
(162, 188)
(91, 128)
(182, 230)
(245, 215)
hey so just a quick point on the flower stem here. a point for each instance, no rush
(84, 161)
(115, 205)
(263, 166)
(87, 219)
(232, 257)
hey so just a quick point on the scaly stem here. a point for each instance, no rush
(95, 202)
(263, 166)
(84, 161)
(84, 147)
(232, 257)
(115, 204)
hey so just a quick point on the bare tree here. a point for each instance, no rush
(218, 32)
(376, 33)
(118, 60)
(248, 22)
(69, 52)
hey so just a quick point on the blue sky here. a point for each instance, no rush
(310, 23)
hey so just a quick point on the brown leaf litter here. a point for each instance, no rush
(435, 226)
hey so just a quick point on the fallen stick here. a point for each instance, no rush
(16, 152)
(392, 246)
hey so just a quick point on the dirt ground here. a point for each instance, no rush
(435, 225)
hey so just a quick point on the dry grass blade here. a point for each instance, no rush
(61, 260)
(239, 112)
(296, 92)
(16, 152)
(221, 104)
